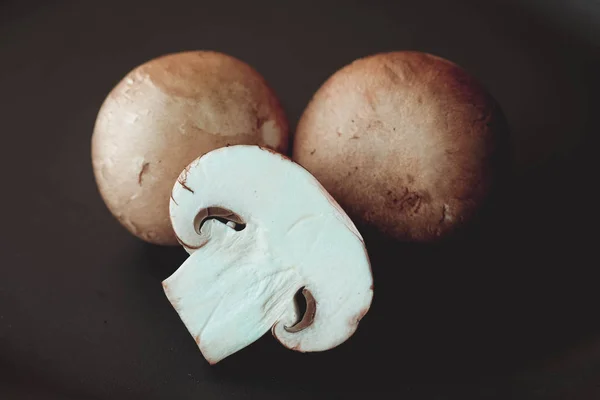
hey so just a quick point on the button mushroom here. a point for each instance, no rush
(164, 114)
(407, 142)
(259, 229)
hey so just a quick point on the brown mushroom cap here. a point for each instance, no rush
(404, 141)
(166, 113)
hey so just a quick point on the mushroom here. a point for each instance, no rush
(259, 230)
(407, 142)
(165, 113)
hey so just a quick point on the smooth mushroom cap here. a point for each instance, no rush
(240, 282)
(164, 114)
(405, 141)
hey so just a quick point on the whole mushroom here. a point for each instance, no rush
(260, 229)
(407, 142)
(164, 114)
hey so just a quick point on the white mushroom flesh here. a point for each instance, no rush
(285, 233)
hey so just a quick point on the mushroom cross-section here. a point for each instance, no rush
(259, 229)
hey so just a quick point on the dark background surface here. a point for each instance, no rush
(509, 312)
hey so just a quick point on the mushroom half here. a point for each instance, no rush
(260, 230)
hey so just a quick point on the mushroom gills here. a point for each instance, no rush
(308, 311)
(222, 215)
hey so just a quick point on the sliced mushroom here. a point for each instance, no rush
(288, 235)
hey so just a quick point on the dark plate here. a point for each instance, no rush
(511, 312)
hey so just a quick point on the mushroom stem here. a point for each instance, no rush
(309, 315)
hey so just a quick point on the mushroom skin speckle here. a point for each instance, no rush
(166, 113)
(407, 142)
